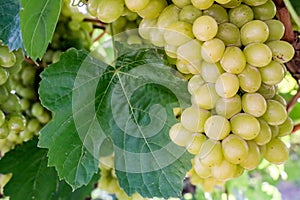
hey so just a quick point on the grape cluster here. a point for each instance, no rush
(233, 52)
(21, 114)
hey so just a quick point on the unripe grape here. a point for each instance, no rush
(217, 12)
(195, 83)
(4, 131)
(189, 14)
(169, 15)
(235, 149)
(136, 5)
(254, 104)
(213, 50)
(12, 104)
(211, 71)
(250, 79)
(3, 76)
(110, 10)
(153, 9)
(217, 127)
(222, 1)
(228, 107)
(205, 28)
(202, 170)
(188, 68)
(211, 153)
(253, 158)
(268, 91)
(194, 146)
(229, 34)
(179, 135)
(265, 134)
(276, 152)
(233, 60)
(254, 31)
(265, 11)
(206, 96)
(193, 118)
(7, 58)
(276, 29)
(273, 73)
(240, 15)
(202, 4)
(258, 54)
(275, 114)
(245, 126)
(227, 85)
(224, 171)
(16, 123)
(178, 33)
(286, 128)
(3, 94)
(282, 51)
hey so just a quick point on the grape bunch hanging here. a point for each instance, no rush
(233, 54)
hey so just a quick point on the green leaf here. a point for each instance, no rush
(10, 32)
(32, 179)
(131, 103)
(296, 5)
(38, 20)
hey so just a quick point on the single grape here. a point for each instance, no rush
(268, 91)
(194, 146)
(265, 134)
(217, 12)
(12, 104)
(3, 76)
(254, 31)
(193, 57)
(232, 4)
(188, 68)
(7, 58)
(229, 34)
(189, 14)
(235, 149)
(276, 29)
(250, 79)
(229, 107)
(254, 104)
(274, 130)
(37, 109)
(4, 131)
(109, 10)
(202, 170)
(233, 60)
(275, 114)
(156, 37)
(136, 5)
(240, 15)
(2, 117)
(145, 26)
(181, 3)
(245, 126)
(282, 51)
(211, 71)
(16, 123)
(286, 128)
(253, 158)
(227, 85)
(276, 152)
(171, 50)
(273, 73)
(212, 50)
(195, 83)
(265, 11)
(205, 28)
(217, 127)
(280, 99)
(202, 4)
(206, 96)
(33, 125)
(211, 153)
(224, 171)
(179, 135)
(169, 15)
(178, 33)
(258, 54)
(153, 9)
(193, 118)
(254, 3)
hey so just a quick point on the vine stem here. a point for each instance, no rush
(293, 101)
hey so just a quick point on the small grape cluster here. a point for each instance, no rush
(21, 114)
(233, 52)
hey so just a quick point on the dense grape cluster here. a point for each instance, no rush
(21, 114)
(234, 52)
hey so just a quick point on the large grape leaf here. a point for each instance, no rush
(10, 32)
(131, 102)
(38, 20)
(32, 179)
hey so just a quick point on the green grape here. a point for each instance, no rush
(178, 33)
(250, 79)
(25, 104)
(254, 31)
(286, 127)
(273, 73)
(7, 59)
(179, 135)
(16, 123)
(195, 83)
(282, 51)
(211, 153)
(3, 94)
(235, 149)
(217, 127)
(12, 104)
(15, 69)
(265, 11)
(153, 9)
(233, 60)
(202, 170)
(136, 5)
(73, 25)
(195, 145)
(211, 71)
(224, 171)
(202, 4)
(145, 26)
(193, 118)
(206, 96)
(229, 34)
(109, 10)
(185, 54)
(280, 99)
(134, 39)
(33, 125)
(25, 135)
(2, 117)
(27, 93)
(4, 131)
(181, 3)
(227, 85)
(19, 56)
(182, 67)
(218, 13)
(265, 134)
(232, 4)
(276, 113)
(3, 76)
(254, 3)
(239, 171)
(244, 125)
(156, 37)
(276, 29)
(268, 91)
(253, 158)
(205, 28)
(189, 14)
(119, 25)
(276, 152)
(44, 117)
(258, 54)
(212, 50)
(240, 15)
(171, 50)
(168, 16)
(254, 104)
(37, 109)
(229, 107)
